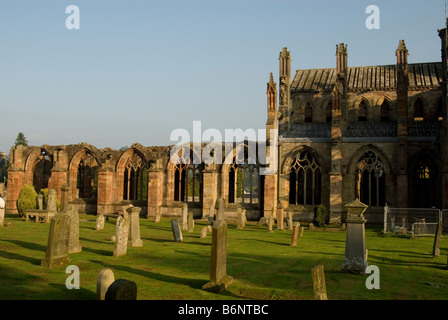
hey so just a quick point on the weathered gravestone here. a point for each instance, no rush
(158, 216)
(58, 242)
(99, 222)
(121, 235)
(220, 207)
(105, 279)
(2, 211)
(355, 259)
(122, 289)
(280, 218)
(64, 195)
(295, 234)
(51, 202)
(190, 222)
(241, 218)
(74, 245)
(219, 280)
(184, 217)
(271, 220)
(320, 290)
(437, 237)
(203, 232)
(290, 220)
(134, 226)
(177, 232)
(40, 201)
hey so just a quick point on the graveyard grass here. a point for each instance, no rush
(262, 264)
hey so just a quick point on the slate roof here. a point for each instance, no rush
(421, 75)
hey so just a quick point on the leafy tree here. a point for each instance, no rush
(21, 140)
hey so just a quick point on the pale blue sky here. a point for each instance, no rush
(137, 70)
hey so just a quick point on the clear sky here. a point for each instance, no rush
(137, 70)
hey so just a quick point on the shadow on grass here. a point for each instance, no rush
(73, 294)
(193, 283)
(15, 256)
(27, 245)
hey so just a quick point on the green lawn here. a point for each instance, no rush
(262, 264)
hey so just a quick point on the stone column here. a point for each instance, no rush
(355, 259)
(155, 192)
(105, 191)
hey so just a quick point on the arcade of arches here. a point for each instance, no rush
(378, 134)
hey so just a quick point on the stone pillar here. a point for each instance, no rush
(355, 259)
(105, 191)
(15, 183)
(155, 192)
(210, 189)
(402, 125)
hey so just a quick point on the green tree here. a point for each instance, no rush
(21, 140)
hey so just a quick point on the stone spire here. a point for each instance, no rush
(402, 55)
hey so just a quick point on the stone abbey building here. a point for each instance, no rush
(373, 133)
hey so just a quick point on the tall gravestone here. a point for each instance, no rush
(64, 195)
(219, 280)
(134, 226)
(295, 234)
(58, 242)
(121, 235)
(184, 217)
(99, 222)
(241, 218)
(51, 202)
(2, 211)
(220, 207)
(74, 245)
(355, 260)
(177, 231)
(319, 286)
(190, 222)
(40, 201)
(105, 279)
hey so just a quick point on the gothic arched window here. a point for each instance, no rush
(418, 110)
(244, 183)
(425, 184)
(385, 111)
(308, 113)
(188, 182)
(362, 111)
(305, 180)
(370, 180)
(135, 186)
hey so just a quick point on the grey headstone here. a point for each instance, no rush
(177, 232)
